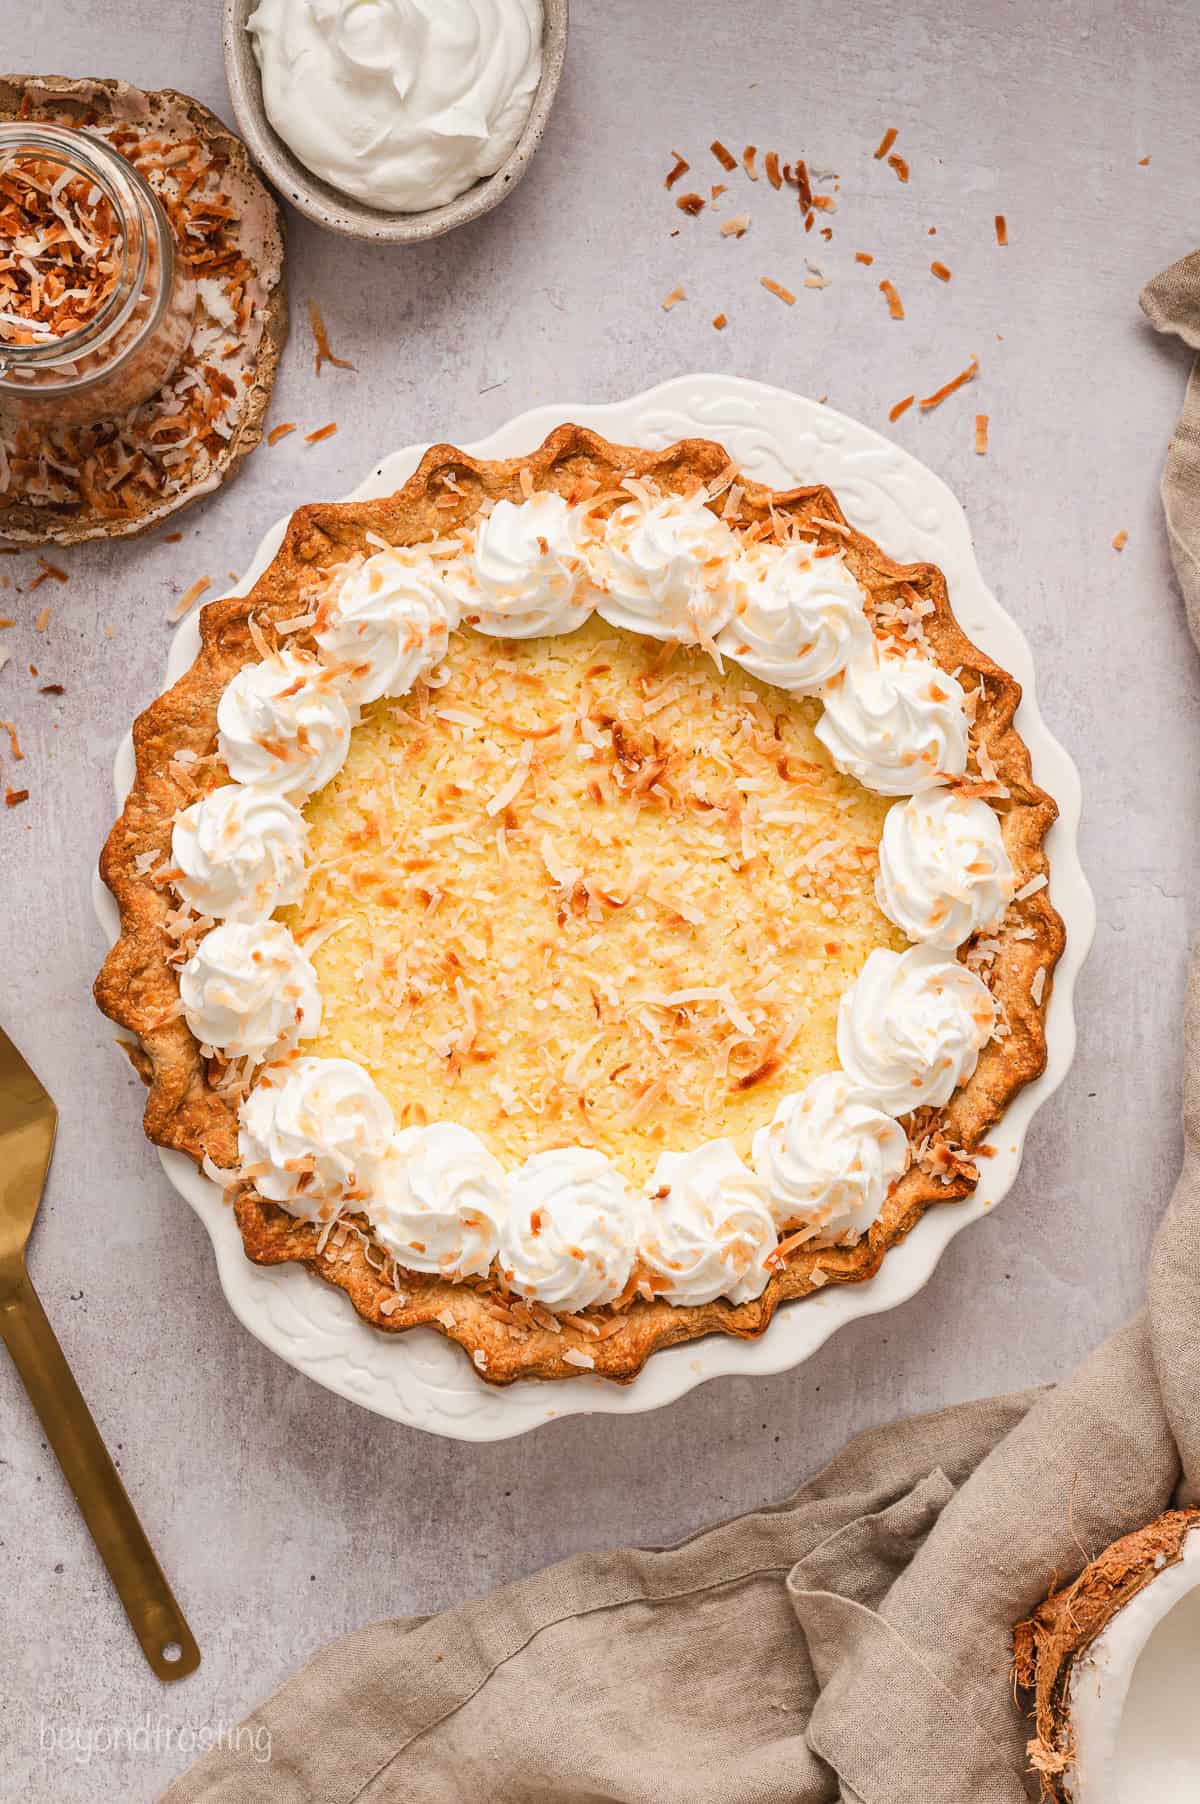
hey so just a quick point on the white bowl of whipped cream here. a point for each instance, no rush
(393, 120)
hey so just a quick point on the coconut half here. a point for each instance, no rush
(1112, 1666)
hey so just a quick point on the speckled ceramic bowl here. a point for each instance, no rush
(340, 212)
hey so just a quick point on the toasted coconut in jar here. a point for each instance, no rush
(96, 301)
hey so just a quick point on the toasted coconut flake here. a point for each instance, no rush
(778, 290)
(42, 621)
(723, 156)
(575, 1356)
(981, 434)
(677, 294)
(720, 321)
(691, 204)
(48, 573)
(281, 431)
(900, 407)
(1120, 540)
(891, 295)
(322, 432)
(748, 162)
(10, 727)
(863, 257)
(62, 255)
(898, 163)
(885, 143)
(1032, 887)
(1001, 229)
(14, 797)
(187, 600)
(680, 167)
(949, 388)
(940, 271)
(509, 791)
(324, 354)
(1037, 988)
(772, 168)
(737, 227)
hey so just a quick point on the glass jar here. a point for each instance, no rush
(96, 301)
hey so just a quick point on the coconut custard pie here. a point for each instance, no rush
(581, 902)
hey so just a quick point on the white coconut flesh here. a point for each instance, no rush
(1134, 1696)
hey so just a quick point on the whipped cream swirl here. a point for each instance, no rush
(524, 576)
(828, 1159)
(798, 619)
(897, 723)
(239, 852)
(662, 568)
(567, 1241)
(707, 1229)
(944, 873)
(249, 991)
(911, 1028)
(438, 1200)
(401, 103)
(283, 725)
(312, 1134)
(388, 623)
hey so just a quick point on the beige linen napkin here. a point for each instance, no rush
(852, 1643)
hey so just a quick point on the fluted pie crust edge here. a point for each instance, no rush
(138, 988)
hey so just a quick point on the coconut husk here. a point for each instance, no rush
(104, 105)
(1048, 1644)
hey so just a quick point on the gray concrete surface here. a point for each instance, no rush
(285, 1516)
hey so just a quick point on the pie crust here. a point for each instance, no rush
(138, 986)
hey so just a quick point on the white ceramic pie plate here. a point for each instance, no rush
(781, 439)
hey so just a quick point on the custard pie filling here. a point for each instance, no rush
(585, 893)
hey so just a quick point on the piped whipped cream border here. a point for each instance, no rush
(564, 1229)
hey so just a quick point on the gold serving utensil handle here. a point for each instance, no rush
(158, 1622)
(28, 1120)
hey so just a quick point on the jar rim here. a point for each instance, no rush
(110, 172)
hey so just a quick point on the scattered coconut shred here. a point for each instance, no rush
(618, 801)
(891, 295)
(797, 175)
(187, 600)
(48, 573)
(321, 338)
(949, 388)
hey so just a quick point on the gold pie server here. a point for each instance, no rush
(28, 1119)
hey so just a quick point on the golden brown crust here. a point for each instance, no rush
(1047, 1645)
(71, 100)
(138, 987)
